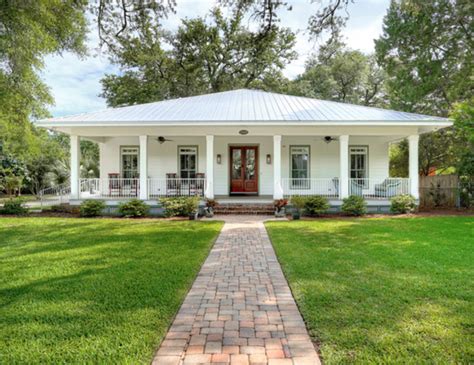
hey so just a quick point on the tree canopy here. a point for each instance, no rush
(202, 56)
(341, 74)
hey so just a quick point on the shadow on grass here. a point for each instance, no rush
(383, 290)
(85, 291)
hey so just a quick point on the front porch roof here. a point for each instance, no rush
(248, 107)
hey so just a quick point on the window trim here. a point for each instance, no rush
(367, 170)
(121, 159)
(178, 172)
(290, 165)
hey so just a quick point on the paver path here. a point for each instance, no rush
(240, 309)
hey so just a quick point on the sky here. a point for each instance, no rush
(75, 82)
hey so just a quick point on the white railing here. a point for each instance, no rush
(109, 188)
(55, 195)
(176, 187)
(379, 188)
(328, 187)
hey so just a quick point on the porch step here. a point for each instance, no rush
(239, 208)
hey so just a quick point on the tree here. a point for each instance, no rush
(31, 30)
(427, 51)
(341, 74)
(202, 57)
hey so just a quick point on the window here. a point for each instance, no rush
(129, 160)
(299, 166)
(187, 162)
(358, 162)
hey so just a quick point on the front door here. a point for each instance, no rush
(244, 170)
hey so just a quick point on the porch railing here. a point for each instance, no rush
(162, 187)
(109, 188)
(379, 188)
(328, 187)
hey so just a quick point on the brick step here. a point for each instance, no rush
(237, 208)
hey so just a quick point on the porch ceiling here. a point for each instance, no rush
(98, 133)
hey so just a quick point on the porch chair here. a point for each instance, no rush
(387, 188)
(198, 184)
(115, 188)
(172, 184)
(335, 183)
(356, 187)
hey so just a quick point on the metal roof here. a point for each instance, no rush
(240, 106)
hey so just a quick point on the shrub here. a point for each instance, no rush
(133, 208)
(401, 204)
(354, 205)
(14, 206)
(91, 208)
(180, 206)
(315, 205)
(298, 202)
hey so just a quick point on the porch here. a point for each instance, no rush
(245, 168)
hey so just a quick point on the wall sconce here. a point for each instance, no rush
(269, 159)
(219, 159)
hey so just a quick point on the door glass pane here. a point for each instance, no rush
(236, 164)
(250, 164)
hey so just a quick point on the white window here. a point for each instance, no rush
(129, 162)
(358, 162)
(187, 162)
(299, 166)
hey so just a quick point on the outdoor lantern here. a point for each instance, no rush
(269, 159)
(219, 159)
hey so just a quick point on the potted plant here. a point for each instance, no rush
(280, 205)
(191, 207)
(209, 209)
(297, 203)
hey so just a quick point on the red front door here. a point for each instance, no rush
(244, 170)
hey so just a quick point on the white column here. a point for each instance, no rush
(75, 165)
(277, 189)
(209, 167)
(343, 166)
(413, 170)
(143, 167)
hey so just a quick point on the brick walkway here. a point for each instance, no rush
(240, 309)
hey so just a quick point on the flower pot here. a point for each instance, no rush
(280, 213)
(192, 216)
(209, 212)
(296, 215)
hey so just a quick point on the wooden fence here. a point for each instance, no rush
(439, 191)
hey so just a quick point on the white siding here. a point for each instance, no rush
(163, 158)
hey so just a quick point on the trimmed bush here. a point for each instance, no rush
(180, 206)
(354, 205)
(133, 208)
(91, 208)
(298, 202)
(14, 206)
(315, 205)
(402, 204)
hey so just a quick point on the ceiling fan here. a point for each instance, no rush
(162, 139)
(329, 139)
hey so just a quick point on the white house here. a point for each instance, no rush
(244, 143)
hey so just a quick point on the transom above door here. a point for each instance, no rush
(244, 170)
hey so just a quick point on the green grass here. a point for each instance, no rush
(381, 291)
(93, 290)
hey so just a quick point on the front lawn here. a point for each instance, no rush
(383, 290)
(93, 290)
